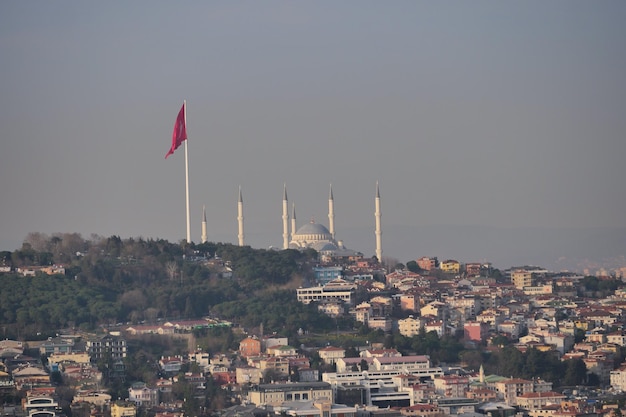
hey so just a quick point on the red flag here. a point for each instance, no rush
(180, 131)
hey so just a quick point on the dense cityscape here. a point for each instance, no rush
(130, 327)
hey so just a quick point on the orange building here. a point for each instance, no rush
(249, 347)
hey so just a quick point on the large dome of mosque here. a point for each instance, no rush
(312, 232)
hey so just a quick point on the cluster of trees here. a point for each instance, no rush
(509, 361)
(110, 280)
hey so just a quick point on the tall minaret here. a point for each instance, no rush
(293, 220)
(203, 238)
(378, 232)
(285, 219)
(331, 213)
(240, 218)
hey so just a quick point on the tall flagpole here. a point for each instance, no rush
(187, 177)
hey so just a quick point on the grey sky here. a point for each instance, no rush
(484, 114)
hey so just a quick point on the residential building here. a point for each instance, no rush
(140, 394)
(330, 354)
(336, 290)
(332, 309)
(618, 378)
(426, 263)
(248, 375)
(409, 302)
(325, 274)
(276, 394)
(409, 326)
(522, 278)
(450, 266)
(106, 346)
(451, 386)
(538, 400)
(171, 364)
(249, 347)
(475, 331)
(56, 345)
(510, 389)
(123, 409)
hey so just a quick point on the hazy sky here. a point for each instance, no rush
(485, 114)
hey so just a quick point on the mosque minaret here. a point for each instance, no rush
(310, 235)
(331, 213)
(240, 235)
(378, 231)
(293, 219)
(203, 236)
(285, 219)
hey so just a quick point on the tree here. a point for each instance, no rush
(413, 267)
(575, 372)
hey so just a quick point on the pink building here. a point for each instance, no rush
(475, 330)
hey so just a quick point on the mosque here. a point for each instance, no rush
(310, 235)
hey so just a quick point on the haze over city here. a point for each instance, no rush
(495, 130)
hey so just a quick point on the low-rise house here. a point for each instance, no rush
(427, 263)
(278, 364)
(362, 312)
(181, 326)
(421, 410)
(450, 266)
(618, 338)
(353, 364)
(405, 363)
(78, 375)
(248, 375)
(282, 350)
(73, 357)
(196, 379)
(330, 354)
(99, 399)
(271, 341)
(563, 342)
(437, 326)
(380, 323)
(308, 374)
(171, 364)
(123, 409)
(509, 328)
(538, 400)
(380, 353)
(150, 329)
(332, 309)
(456, 406)
(482, 394)
(29, 377)
(201, 358)
(56, 345)
(434, 308)
(140, 394)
